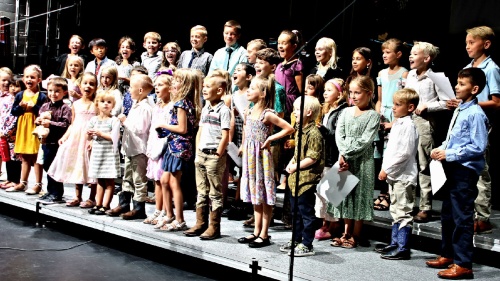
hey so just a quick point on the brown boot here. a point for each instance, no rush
(123, 205)
(201, 223)
(139, 211)
(213, 231)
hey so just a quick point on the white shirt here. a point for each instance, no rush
(429, 93)
(136, 129)
(400, 160)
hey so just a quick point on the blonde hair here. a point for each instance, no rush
(234, 24)
(92, 75)
(7, 71)
(331, 47)
(310, 103)
(427, 48)
(152, 35)
(113, 71)
(407, 96)
(66, 74)
(145, 82)
(226, 76)
(393, 44)
(266, 85)
(258, 43)
(79, 38)
(342, 93)
(201, 29)
(483, 32)
(167, 79)
(191, 81)
(365, 83)
(102, 96)
(34, 67)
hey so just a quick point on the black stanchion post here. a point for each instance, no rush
(255, 268)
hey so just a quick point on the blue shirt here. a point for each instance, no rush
(219, 61)
(492, 72)
(466, 142)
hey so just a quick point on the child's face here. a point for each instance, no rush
(99, 52)
(331, 93)
(74, 68)
(4, 81)
(323, 55)
(88, 86)
(176, 85)
(55, 93)
(31, 80)
(106, 79)
(254, 94)
(197, 40)
(75, 45)
(285, 47)
(125, 50)
(151, 45)
(251, 53)
(475, 46)
(310, 90)
(230, 35)
(240, 77)
(390, 56)
(162, 89)
(171, 55)
(464, 89)
(303, 118)
(263, 68)
(210, 90)
(359, 62)
(401, 108)
(418, 60)
(14, 89)
(360, 97)
(105, 106)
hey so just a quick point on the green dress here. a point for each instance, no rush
(354, 136)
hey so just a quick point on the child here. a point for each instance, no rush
(76, 45)
(478, 44)
(289, 72)
(103, 131)
(26, 107)
(73, 71)
(134, 141)
(311, 163)
(389, 80)
(399, 169)
(125, 62)
(229, 56)
(71, 164)
(326, 57)
(155, 149)
(258, 179)
(335, 102)
(253, 46)
(197, 57)
(427, 117)
(152, 57)
(8, 127)
(98, 47)
(463, 152)
(171, 55)
(361, 65)
(109, 82)
(185, 93)
(356, 130)
(211, 142)
(127, 100)
(60, 121)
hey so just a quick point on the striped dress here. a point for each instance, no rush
(104, 158)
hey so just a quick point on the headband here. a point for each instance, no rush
(337, 85)
(165, 71)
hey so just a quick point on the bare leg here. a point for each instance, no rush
(158, 196)
(109, 187)
(101, 183)
(266, 219)
(38, 172)
(358, 226)
(79, 191)
(174, 184)
(167, 195)
(258, 214)
(93, 191)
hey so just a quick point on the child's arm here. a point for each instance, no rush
(299, 79)
(223, 142)
(63, 122)
(181, 127)
(18, 108)
(379, 93)
(304, 163)
(68, 131)
(286, 128)
(227, 101)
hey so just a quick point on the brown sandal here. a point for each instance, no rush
(338, 242)
(350, 243)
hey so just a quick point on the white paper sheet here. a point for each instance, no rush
(232, 150)
(438, 177)
(442, 82)
(335, 186)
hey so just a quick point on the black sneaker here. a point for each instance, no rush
(50, 200)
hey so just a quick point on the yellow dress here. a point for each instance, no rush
(26, 142)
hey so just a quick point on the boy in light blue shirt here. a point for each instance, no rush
(463, 155)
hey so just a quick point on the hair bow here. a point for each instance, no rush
(165, 71)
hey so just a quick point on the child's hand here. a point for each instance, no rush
(438, 154)
(240, 151)
(94, 133)
(122, 117)
(89, 146)
(291, 167)
(420, 109)
(23, 105)
(382, 175)
(343, 165)
(45, 123)
(387, 126)
(452, 104)
(266, 144)
(61, 141)
(289, 144)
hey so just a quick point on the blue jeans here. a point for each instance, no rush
(305, 221)
(457, 214)
(49, 153)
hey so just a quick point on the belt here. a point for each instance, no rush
(209, 151)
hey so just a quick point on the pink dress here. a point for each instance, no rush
(160, 116)
(71, 164)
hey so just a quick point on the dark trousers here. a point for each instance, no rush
(457, 214)
(305, 221)
(13, 171)
(49, 153)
